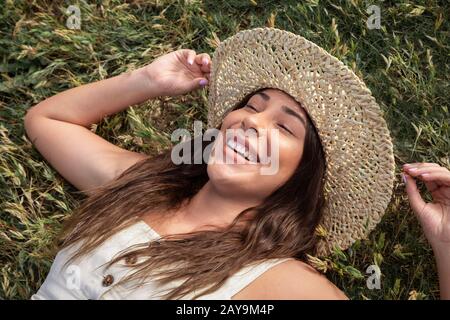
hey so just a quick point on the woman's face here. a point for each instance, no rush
(269, 112)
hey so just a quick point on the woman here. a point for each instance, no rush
(153, 229)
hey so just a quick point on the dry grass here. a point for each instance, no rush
(405, 64)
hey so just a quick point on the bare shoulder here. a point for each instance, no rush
(292, 280)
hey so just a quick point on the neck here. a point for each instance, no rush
(212, 207)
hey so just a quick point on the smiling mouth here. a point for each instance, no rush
(242, 151)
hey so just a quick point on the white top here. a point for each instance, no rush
(88, 280)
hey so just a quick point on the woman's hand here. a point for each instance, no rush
(174, 75)
(433, 216)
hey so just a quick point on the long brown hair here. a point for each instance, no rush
(282, 226)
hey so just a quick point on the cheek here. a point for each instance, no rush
(290, 154)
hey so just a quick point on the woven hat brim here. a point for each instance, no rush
(357, 144)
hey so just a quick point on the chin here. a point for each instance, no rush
(222, 174)
(227, 180)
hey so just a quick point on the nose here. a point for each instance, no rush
(261, 122)
(256, 122)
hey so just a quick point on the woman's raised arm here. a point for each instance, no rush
(59, 126)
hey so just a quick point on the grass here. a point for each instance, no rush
(405, 64)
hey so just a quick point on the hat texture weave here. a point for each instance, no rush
(358, 148)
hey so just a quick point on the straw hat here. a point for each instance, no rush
(358, 148)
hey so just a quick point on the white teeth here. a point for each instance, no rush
(231, 144)
(239, 148)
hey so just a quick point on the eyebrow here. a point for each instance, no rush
(286, 109)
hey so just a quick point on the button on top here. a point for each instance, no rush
(108, 280)
(131, 260)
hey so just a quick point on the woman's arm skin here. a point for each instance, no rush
(59, 126)
(433, 216)
(442, 256)
(90, 103)
(169, 75)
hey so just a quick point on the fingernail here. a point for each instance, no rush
(407, 165)
(404, 178)
(203, 82)
(205, 61)
(190, 61)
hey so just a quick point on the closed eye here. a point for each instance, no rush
(285, 128)
(280, 125)
(251, 107)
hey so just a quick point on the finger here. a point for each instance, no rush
(419, 164)
(437, 177)
(430, 184)
(411, 167)
(204, 61)
(416, 171)
(190, 56)
(415, 199)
